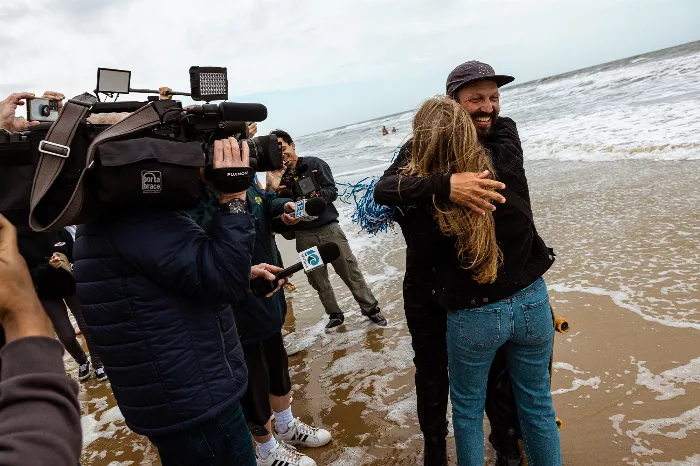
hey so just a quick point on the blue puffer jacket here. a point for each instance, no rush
(152, 287)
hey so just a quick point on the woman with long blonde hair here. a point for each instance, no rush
(465, 244)
(445, 141)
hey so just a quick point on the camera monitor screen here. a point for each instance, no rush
(113, 81)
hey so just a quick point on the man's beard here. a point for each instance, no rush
(482, 132)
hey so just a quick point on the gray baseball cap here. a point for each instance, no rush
(473, 71)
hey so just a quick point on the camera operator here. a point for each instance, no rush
(259, 321)
(324, 229)
(39, 409)
(155, 290)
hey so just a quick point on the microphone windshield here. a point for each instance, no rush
(315, 206)
(286, 194)
(233, 111)
(329, 252)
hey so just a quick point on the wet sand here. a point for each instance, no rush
(627, 376)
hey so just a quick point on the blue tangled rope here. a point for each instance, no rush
(371, 217)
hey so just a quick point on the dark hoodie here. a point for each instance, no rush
(37, 249)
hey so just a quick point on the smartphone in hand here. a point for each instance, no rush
(45, 110)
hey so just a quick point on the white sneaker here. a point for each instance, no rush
(304, 435)
(285, 455)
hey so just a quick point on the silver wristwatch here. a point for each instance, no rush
(235, 206)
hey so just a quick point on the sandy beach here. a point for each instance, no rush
(627, 376)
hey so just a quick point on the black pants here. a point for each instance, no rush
(268, 374)
(221, 441)
(58, 314)
(427, 323)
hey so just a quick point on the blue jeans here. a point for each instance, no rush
(222, 441)
(522, 322)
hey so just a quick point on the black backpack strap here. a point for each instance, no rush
(54, 150)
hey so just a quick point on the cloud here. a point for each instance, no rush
(274, 46)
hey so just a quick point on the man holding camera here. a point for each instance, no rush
(311, 177)
(155, 290)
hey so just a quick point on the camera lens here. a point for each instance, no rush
(45, 110)
(265, 153)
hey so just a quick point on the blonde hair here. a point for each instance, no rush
(445, 141)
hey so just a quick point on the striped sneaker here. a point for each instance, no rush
(304, 435)
(100, 373)
(285, 455)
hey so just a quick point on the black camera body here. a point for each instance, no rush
(305, 186)
(207, 123)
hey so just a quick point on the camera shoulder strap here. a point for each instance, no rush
(55, 149)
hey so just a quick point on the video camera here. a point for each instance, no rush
(305, 185)
(72, 170)
(205, 123)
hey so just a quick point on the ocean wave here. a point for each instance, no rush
(392, 140)
(372, 168)
(645, 107)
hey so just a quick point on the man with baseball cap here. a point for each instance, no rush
(475, 86)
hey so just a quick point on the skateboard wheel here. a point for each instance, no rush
(561, 325)
(559, 423)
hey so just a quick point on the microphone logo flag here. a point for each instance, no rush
(301, 213)
(310, 259)
(301, 209)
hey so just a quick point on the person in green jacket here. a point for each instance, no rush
(259, 322)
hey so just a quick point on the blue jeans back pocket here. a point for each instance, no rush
(538, 319)
(480, 327)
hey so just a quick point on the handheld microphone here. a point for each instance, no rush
(311, 259)
(306, 210)
(309, 209)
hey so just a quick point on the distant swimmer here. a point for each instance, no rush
(384, 131)
(393, 130)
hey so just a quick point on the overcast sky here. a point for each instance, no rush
(319, 64)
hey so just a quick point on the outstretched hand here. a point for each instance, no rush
(267, 271)
(8, 107)
(475, 191)
(274, 178)
(288, 218)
